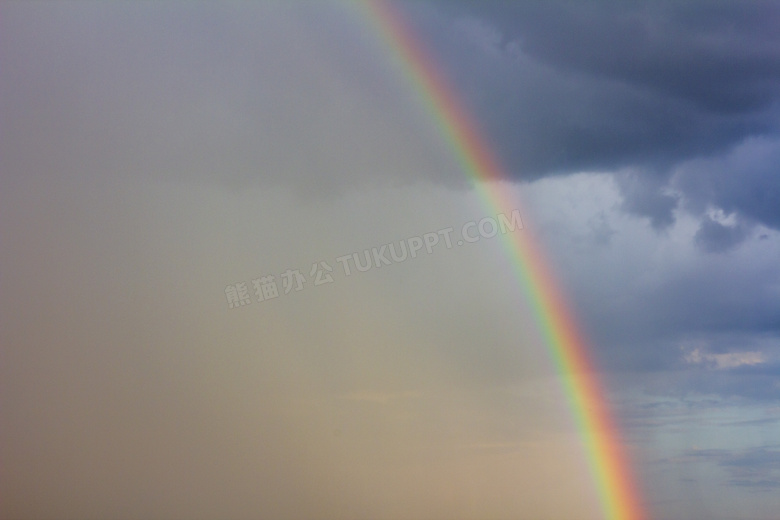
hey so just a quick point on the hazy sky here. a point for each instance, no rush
(156, 154)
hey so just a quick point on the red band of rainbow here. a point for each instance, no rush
(569, 351)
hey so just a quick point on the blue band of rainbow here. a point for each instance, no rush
(566, 346)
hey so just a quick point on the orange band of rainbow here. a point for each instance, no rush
(567, 348)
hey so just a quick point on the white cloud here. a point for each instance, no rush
(724, 361)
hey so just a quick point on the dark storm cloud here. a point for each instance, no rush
(567, 86)
(722, 56)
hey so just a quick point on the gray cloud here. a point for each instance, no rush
(643, 195)
(648, 299)
(715, 237)
(744, 180)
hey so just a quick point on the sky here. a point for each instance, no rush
(159, 160)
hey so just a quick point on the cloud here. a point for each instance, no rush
(643, 195)
(640, 82)
(715, 237)
(724, 361)
(564, 87)
(643, 287)
(743, 180)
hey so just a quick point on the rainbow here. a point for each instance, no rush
(566, 345)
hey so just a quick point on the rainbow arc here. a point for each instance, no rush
(566, 345)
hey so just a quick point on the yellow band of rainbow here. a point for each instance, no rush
(566, 346)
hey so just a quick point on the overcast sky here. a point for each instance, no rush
(156, 155)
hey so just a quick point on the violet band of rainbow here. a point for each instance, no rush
(566, 346)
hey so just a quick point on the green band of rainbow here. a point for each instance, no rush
(566, 346)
